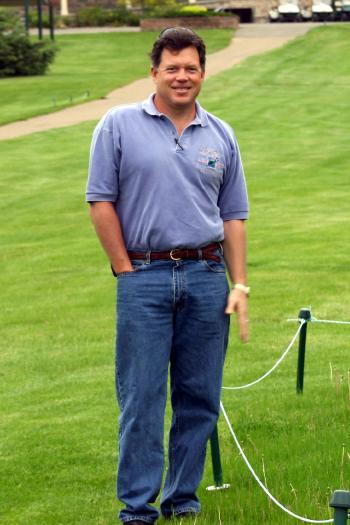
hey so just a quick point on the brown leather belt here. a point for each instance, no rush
(207, 252)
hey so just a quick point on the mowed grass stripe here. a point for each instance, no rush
(58, 447)
(86, 67)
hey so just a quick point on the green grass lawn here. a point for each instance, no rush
(58, 437)
(86, 67)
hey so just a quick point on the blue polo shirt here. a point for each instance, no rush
(169, 191)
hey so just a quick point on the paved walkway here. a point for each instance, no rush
(250, 39)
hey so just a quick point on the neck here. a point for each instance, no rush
(180, 116)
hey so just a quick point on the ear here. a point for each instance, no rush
(154, 74)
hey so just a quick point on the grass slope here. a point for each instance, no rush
(86, 67)
(58, 443)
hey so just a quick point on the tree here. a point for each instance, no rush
(19, 55)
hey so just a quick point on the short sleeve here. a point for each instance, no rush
(233, 198)
(104, 163)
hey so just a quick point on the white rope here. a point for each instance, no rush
(265, 489)
(302, 321)
(314, 320)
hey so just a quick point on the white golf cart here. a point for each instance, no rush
(288, 11)
(322, 10)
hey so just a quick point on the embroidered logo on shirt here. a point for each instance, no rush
(210, 161)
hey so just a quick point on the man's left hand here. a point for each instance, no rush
(237, 301)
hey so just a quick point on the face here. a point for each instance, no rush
(178, 79)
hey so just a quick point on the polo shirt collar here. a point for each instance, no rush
(200, 119)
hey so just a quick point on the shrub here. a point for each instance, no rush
(92, 16)
(175, 11)
(97, 16)
(65, 21)
(194, 10)
(181, 11)
(127, 18)
(89, 17)
(19, 55)
(9, 21)
(33, 19)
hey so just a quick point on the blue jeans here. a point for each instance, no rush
(169, 313)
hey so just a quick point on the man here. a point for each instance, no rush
(168, 201)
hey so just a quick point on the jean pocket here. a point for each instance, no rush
(214, 266)
(137, 266)
(123, 274)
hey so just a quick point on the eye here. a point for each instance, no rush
(192, 70)
(170, 69)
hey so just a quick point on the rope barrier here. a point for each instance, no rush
(314, 320)
(302, 321)
(279, 361)
(328, 321)
(264, 488)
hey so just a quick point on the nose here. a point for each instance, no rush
(182, 74)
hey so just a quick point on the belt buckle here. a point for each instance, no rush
(172, 257)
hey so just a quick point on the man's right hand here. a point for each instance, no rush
(122, 270)
(108, 229)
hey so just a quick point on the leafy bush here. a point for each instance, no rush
(194, 10)
(183, 11)
(93, 16)
(175, 11)
(19, 55)
(65, 21)
(9, 20)
(97, 16)
(127, 18)
(89, 17)
(33, 19)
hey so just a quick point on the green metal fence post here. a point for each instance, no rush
(26, 16)
(40, 18)
(215, 457)
(305, 313)
(216, 462)
(52, 21)
(341, 503)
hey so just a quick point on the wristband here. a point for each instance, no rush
(242, 287)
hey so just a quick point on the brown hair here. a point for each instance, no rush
(176, 39)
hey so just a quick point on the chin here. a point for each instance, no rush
(183, 100)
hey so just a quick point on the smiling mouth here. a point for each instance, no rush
(181, 89)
